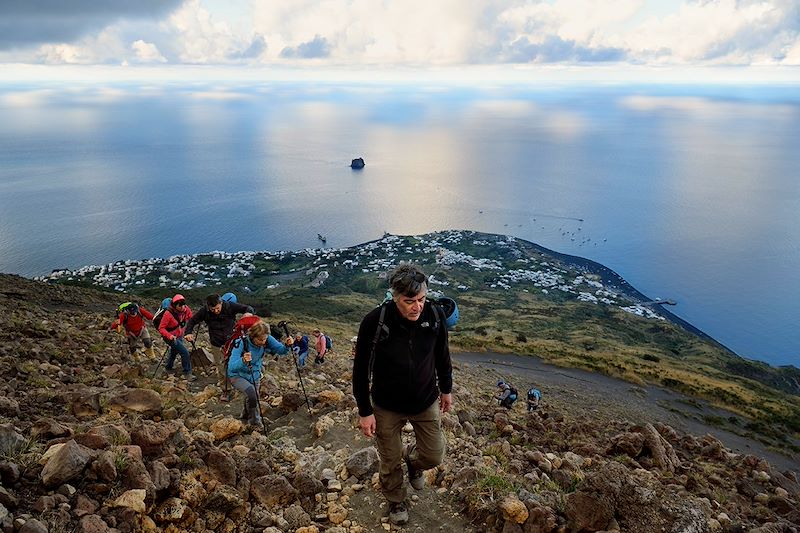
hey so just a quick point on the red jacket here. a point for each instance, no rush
(133, 324)
(173, 322)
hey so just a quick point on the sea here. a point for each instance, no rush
(690, 192)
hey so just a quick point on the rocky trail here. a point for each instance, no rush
(90, 442)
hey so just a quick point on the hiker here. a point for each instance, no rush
(131, 320)
(320, 346)
(402, 347)
(244, 366)
(300, 348)
(219, 316)
(534, 397)
(171, 328)
(507, 395)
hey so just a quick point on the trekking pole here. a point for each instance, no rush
(258, 400)
(297, 367)
(159, 363)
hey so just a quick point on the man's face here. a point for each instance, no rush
(410, 307)
(216, 309)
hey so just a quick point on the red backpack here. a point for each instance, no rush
(239, 331)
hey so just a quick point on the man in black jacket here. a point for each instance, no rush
(220, 317)
(403, 347)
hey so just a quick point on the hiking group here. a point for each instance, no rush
(239, 347)
(508, 394)
(402, 372)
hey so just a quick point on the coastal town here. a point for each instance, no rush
(465, 261)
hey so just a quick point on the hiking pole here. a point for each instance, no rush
(297, 367)
(159, 363)
(258, 400)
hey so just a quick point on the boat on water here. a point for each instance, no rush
(321, 237)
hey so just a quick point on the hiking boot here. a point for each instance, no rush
(149, 352)
(415, 477)
(225, 396)
(398, 513)
(190, 377)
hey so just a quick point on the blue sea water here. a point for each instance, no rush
(689, 192)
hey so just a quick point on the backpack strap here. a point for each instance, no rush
(375, 340)
(438, 312)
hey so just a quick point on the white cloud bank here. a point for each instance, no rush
(408, 33)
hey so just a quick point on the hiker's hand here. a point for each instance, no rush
(445, 402)
(189, 337)
(119, 330)
(289, 341)
(246, 357)
(367, 425)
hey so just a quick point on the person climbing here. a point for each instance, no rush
(171, 328)
(534, 397)
(300, 348)
(320, 346)
(402, 347)
(244, 367)
(131, 320)
(219, 315)
(507, 394)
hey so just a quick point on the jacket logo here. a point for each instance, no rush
(425, 325)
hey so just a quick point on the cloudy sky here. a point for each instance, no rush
(401, 34)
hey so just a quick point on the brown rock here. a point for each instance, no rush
(272, 491)
(144, 402)
(540, 519)
(292, 400)
(172, 510)
(115, 434)
(105, 466)
(92, 524)
(586, 512)
(322, 425)
(92, 441)
(156, 438)
(659, 449)
(629, 444)
(47, 429)
(363, 462)
(222, 467)
(336, 513)
(330, 396)
(226, 428)
(132, 499)
(67, 463)
(514, 510)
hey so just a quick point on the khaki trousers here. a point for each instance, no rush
(219, 362)
(427, 452)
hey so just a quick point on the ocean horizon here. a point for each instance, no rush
(688, 192)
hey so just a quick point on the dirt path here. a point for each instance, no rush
(605, 397)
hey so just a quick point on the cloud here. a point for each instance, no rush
(147, 52)
(555, 49)
(28, 23)
(315, 48)
(409, 33)
(253, 51)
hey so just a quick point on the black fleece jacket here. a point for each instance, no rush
(220, 327)
(408, 363)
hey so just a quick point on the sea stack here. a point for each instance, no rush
(357, 163)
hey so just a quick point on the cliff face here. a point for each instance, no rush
(91, 441)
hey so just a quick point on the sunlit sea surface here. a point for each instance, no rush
(690, 193)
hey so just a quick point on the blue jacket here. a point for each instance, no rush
(237, 368)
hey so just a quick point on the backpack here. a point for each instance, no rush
(513, 395)
(239, 332)
(328, 343)
(534, 394)
(165, 303)
(229, 297)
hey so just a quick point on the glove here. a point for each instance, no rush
(119, 329)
